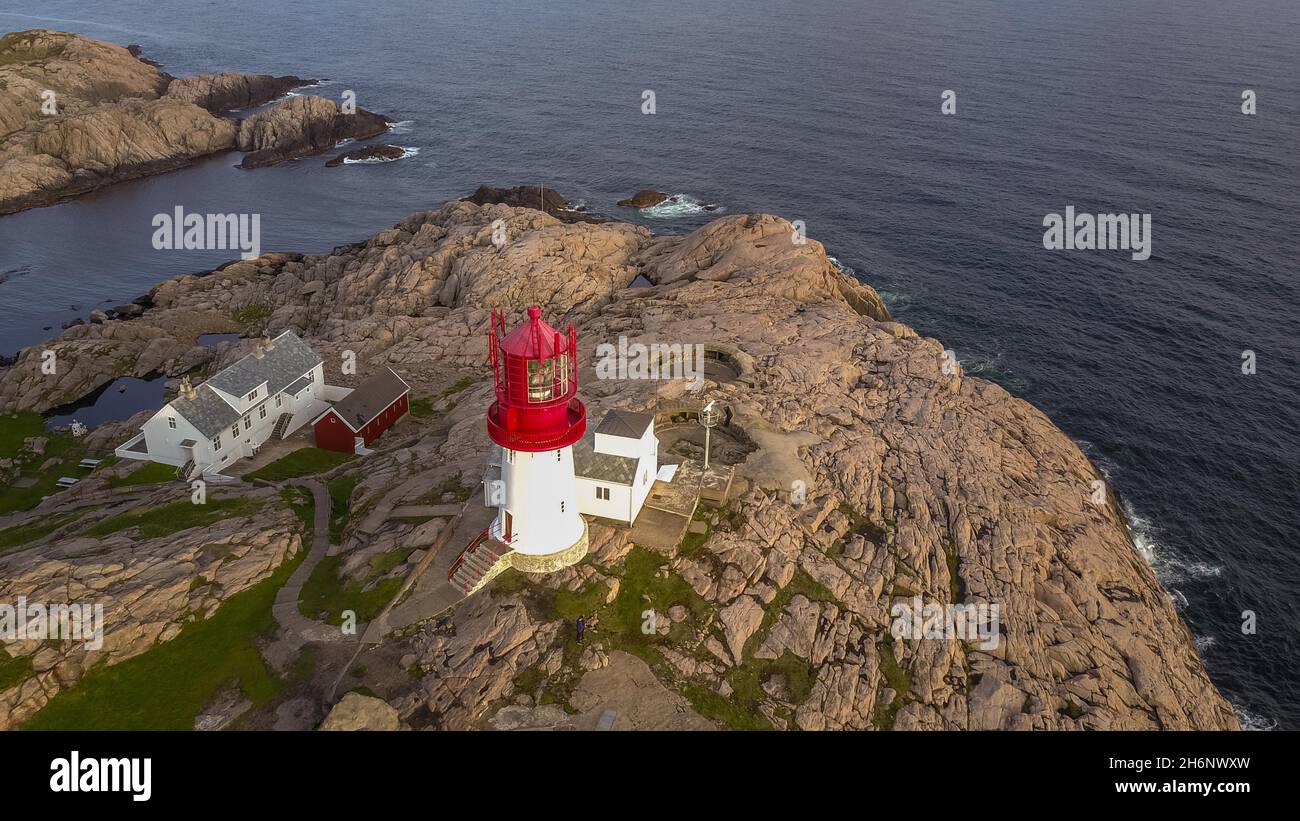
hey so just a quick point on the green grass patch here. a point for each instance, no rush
(643, 587)
(509, 583)
(455, 487)
(956, 587)
(747, 680)
(15, 429)
(569, 605)
(301, 462)
(164, 688)
(898, 679)
(326, 594)
(714, 706)
(177, 516)
(19, 535)
(460, 385)
(147, 474)
(527, 681)
(253, 315)
(299, 500)
(341, 490)
(421, 408)
(13, 670)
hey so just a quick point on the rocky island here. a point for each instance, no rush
(78, 114)
(868, 471)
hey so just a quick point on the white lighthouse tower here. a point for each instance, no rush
(536, 419)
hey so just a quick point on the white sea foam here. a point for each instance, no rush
(679, 205)
(1169, 567)
(1250, 721)
(406, 152)
(401, 127)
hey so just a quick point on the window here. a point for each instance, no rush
(248, 423)
(645, 476)
(564, 373)
(234, 430)
(252, 395)
(541, 379)
(216, 442)
(261, 412)
(558, 456)
(171, 422)
(561, 507)
(311, 375)
(510, 456)
(602, 493)
(279, 399)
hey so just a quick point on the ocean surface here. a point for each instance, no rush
(829, 112)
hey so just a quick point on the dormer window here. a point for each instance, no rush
(252, 395)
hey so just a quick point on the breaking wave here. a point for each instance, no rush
(679, 205)
(406, 152)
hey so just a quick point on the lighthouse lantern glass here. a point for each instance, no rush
(541, 380)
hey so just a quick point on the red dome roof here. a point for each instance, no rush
(534, 339)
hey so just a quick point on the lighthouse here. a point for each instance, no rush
(536, 419)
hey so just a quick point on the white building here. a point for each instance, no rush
(615, 465)
(273, 391)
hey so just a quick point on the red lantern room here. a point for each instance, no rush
(535, 371)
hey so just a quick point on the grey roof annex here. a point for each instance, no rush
(603, 467)
(627, 424)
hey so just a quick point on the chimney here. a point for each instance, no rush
(267, 344)
(186, 389)
(259, 349)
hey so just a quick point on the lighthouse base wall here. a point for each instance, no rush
(551, 562)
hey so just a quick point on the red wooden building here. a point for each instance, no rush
(359, 419)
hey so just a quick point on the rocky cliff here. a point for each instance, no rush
(870, 471)
(77, 114)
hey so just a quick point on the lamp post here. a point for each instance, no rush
(709, 419)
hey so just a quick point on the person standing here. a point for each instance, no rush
(581, 627)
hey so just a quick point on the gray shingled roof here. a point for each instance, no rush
(627, 424)
(288, 359)
(296, 387)
(206, 411)
(370, 398)
(603, 467)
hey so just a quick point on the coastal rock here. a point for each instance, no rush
(370, 152)
(301, 126)
(149, 588)
(361, 712)
(78, 114)
(231, 90)
(644, 199)
(539, 197)
(920, 482)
